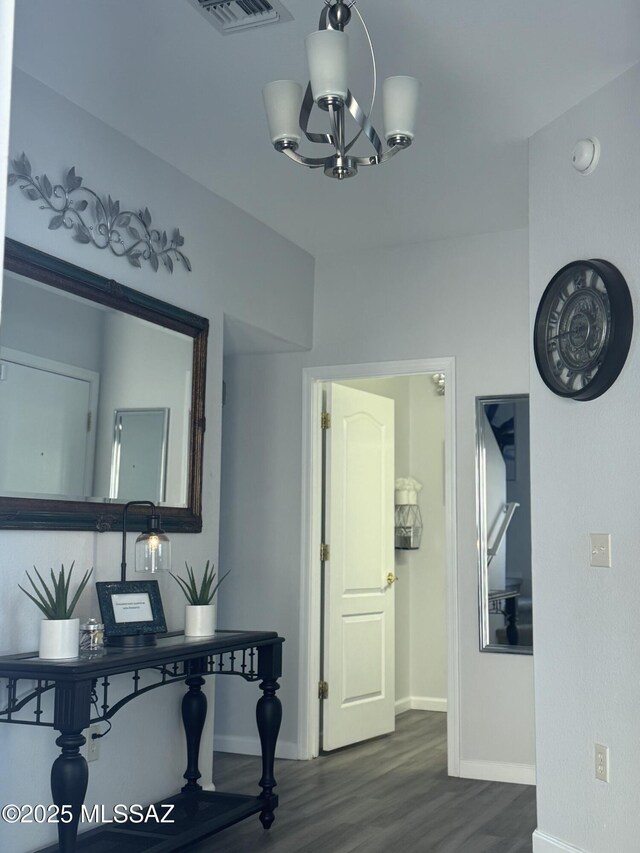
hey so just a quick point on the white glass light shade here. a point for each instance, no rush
(327, 57)
(399, 104)
(153, 552)
(282, 100)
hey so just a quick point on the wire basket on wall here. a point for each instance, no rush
(408, 527)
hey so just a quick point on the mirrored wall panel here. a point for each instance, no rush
(504, 524)
(101, 398)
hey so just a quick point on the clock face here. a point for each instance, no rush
(583, 329)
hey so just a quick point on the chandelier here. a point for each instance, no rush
(288, 110)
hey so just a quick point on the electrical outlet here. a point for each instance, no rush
(93, 744)
(602, 762)
(601, 550)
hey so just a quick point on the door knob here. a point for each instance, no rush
(391, 578)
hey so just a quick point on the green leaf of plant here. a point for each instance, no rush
(42, 607)
(85, 580)
(50, 598)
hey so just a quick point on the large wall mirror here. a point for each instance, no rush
(504, 524)
(101, 399)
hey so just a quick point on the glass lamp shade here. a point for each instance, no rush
(399, 104)
(327, 57)
(282, 100)
(153, 550)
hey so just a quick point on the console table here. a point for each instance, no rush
(81, 697)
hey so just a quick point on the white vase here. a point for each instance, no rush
(199, 620)
(59, 639)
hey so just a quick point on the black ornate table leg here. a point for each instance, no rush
(268, 718)
(194, 713)
(511, 613)
(69, 772)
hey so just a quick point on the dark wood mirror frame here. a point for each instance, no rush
(42, 514)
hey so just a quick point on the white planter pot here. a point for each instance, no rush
(59, 639)
(199, 620)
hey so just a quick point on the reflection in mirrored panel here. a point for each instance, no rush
(66, 368)
(504, 523)
(77, 351)
(139, 454)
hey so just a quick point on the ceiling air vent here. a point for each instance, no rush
(233, 16)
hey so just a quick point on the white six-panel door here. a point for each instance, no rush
(358, 599)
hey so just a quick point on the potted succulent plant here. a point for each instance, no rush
(59, 632)
(200, 612)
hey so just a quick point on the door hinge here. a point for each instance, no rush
(324, 552)
(89, 421)
(323, 690)
(325, 420)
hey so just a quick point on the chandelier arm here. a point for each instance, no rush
(305, 112)
(386, 155)
(311, 162)
(365, 125)
(375, 81)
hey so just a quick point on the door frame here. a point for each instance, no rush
(312, 381)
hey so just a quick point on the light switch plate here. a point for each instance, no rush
(602, 762)
(601, 550)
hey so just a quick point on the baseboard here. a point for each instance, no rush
(543, 843)
(251, 746)
(494, 771)
(420, 703)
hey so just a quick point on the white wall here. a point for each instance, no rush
(7, 12)
(270, 287)
(130, 341)
(428, 564)
(585, 470)
(465, 298)
(61, 329)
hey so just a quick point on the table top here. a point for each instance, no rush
(500, 594)
(170, 647)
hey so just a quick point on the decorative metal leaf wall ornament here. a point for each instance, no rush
(99, 221)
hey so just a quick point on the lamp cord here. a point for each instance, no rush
(94, 702)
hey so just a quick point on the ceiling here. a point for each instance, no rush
(492, 74)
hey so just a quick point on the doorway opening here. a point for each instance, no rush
(412, 387)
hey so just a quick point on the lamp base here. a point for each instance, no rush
(131, 641)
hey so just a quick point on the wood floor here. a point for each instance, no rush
(391, 794)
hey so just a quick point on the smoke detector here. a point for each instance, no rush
(233, 16)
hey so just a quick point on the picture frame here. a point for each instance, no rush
(132, 608)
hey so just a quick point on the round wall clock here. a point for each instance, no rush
(582, 330)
